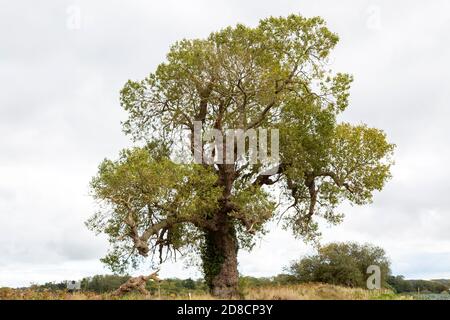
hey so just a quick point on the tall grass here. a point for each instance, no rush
(311, 291)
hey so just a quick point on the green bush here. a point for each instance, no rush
(341, 264)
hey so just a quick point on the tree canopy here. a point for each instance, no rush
(275, 75)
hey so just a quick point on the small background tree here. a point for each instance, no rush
(342, 264)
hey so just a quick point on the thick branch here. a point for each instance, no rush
(336, 180)
(267, 180)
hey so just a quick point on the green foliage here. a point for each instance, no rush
(103, 283)
(329, 163)
(341, 264)
(52, 286)
(400, 285)
(212, 260)
(189, 284)
(174, 287)
(275, 75)
(109, 283)
(147, 194)
(445, 282)
(258, 65)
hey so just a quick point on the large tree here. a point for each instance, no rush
(272, 76)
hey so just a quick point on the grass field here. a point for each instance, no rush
(313, 291)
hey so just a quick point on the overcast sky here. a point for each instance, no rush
(62, 64)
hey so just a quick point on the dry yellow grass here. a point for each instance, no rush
(317, 291)
(312, 291)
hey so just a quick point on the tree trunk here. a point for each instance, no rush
(220, 260)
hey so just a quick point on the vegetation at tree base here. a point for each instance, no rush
(341, 264)
(273, 76)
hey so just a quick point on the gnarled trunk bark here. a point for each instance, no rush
(220, 260)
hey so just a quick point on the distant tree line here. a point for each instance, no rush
(400, 285)
(103, 283)
(109, 283)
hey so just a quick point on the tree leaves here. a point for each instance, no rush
(149, 198)
(274, 75)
